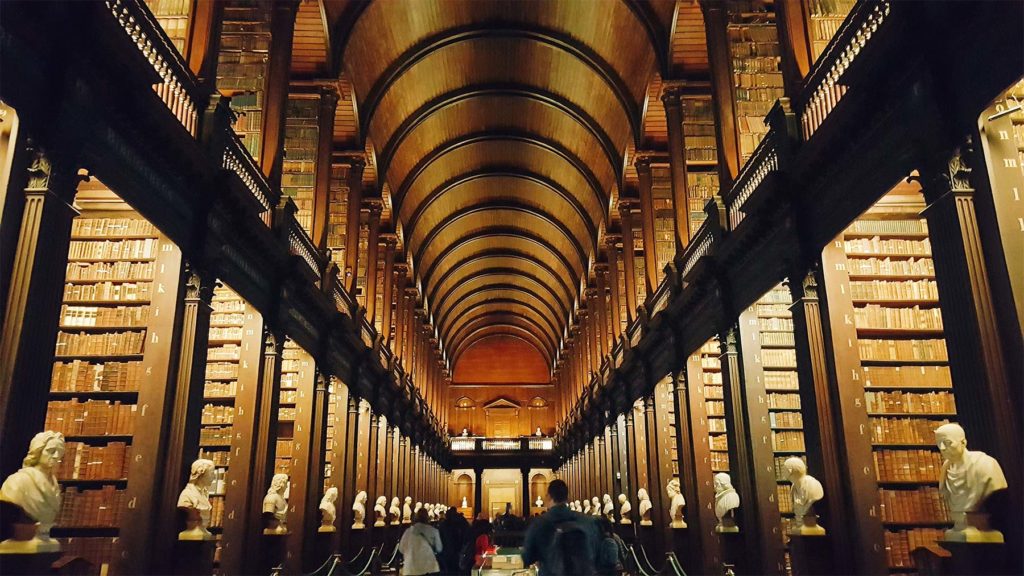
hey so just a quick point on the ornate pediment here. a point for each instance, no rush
(501, 404)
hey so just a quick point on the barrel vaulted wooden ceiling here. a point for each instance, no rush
(501, 133)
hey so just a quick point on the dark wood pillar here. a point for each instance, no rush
(631, 465)
(282, 28)
(719, 59)
(204, 40)
(350, 464)
(612, 242)
(671, 98)
(390, 242)
(629, 256)
(604, 339)
(339, 455)
(655, 482)
(795, 44)
(32, 311)
(750, 450)
(615, 458)
(375, 206)
(322, 191)
(355, 203)
(643, 171)
(311, 427)
(702, 554)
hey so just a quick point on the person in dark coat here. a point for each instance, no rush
(454, 531)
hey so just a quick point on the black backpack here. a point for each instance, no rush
(467, 555)
(568, 553)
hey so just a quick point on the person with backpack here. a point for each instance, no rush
(563, 542)
(609, 558)
(420, 545)
(454, 532)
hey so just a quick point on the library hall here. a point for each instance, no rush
(511, 287)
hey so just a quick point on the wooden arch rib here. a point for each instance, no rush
(487, 31)
(492, 180)
(503, 317)
(506, 258)
(518, 220)
(501, 330)
(499, 292)
(525, 309)
(516, 285)
(412, 121)
(499, 149)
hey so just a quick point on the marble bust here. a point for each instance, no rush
(806, 491)
(595, 506)
(275, 506)
(34, 488)
(575, 506)
(586, 507)
(966, 479)
(328, 510)
(726, 500)
(395, 511)
(609, 508)
(195, 500)
(465, 502)
(359, 511)
(407, 510)
(430, 511)
(380, 511)
(417, 508)
(676, 504)
(645, 507)
(539, 503)
(625, 509)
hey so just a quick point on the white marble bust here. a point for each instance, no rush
(34, 488)
(586, 507)
(539, 503)
(465, 502)
(575, 506)
(430, 511)
(417, 508)
(359, 511)
(608, 508)
(195, 498)
(395, 511)
(726, 500)
(966, 479)
(625, 510)
(380, 511)
(407, 510)
(676, 504)
(806, 491)
(595, 506)
(645, 507)
(275, 503)
(328, 510)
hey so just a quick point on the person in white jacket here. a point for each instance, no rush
(420, 545)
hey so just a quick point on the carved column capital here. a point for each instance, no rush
(199, 284)
(672, 93)
(642, 162)
(627, 205)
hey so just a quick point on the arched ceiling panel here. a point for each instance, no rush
(498, 293)
(506, 317)
(501, 330)
(501, 307)
(502, 259)
(503, 279)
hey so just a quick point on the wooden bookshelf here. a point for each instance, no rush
(173, 17)
(824, 19)
(108, 343)
(701, 156)
(338, 214)
(908, 389)
(714, 405)
(757, 79)
(301, 139)
(290, 367)
(243, 64)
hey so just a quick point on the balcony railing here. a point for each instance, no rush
(236, 159)
(177, 87)
(483, 445)
(762, 162)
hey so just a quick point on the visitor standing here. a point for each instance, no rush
(560, 540)
(419, 546)
(454, 531)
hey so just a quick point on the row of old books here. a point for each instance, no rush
(220, 389)
(907, 350)
(893, 290)
(776, 380)
(719, 461)
(922, 505)
(218, 414)
(778, 358)
(773, 309)
(909, 402)
(104, 316)
(785, 494)
(788, 441)
(908, 376)
(83, 376)
(904, 430)
(785, 420)
(215, 436)
(909, 227)
(902, 318)
(85, 462)
(780, 467)
(142, 249)
(228, 319)
(230, 333)
(286, 414)
(773, 324)
(111, 227)
(891, 267)
(226, 305)
(91, 417)
(720, 442)
(106, 344)
(112, 271)
(900, 545)
(224, 352)
(221, 458)
(100, 552)
(221, 370)
(716, 424)
(97, 508)
(109, 291)
(785, 401)
(715, 408)
(889, 246)
(907, 465)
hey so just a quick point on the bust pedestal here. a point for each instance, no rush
(811, 554)
(272, 551)
(967, 558)
(193, 557)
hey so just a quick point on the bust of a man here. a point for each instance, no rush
(595, 506)
(676, 504)
(359, 511)
(645, 507)
(608, 507)
(538, 503)
(380, 511)
(586, 507)
(966, 479)
(34, 488)
(275, 506)
(328, 510)
(395, 511)
(195, 500)
(806, 491)
(625, 508)
(726, 500)
(407, 510)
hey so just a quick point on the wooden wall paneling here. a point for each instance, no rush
(702, 554)
(242, 490)
(611, 439)
(664, 414)
(33, 303)
(750, 451)
(149, 443)
(186, 412)
(633, 462)
(655, 484)
(849, 418)
(339, 458)
(305, 485)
